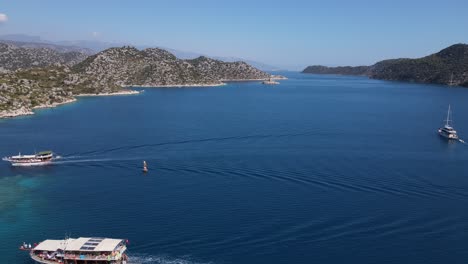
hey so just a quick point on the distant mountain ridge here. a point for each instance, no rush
(94, 46)
(15, 56)
(448, 66)
(39, 45)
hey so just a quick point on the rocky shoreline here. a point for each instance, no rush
(14, 113)
(223, 82)
(25, 111)
(273, 77)
(177, 85)
(125, 92)
(52, 105)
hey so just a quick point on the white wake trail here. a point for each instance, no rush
(148, 259)
(80, 161)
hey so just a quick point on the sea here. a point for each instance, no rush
(319, 169)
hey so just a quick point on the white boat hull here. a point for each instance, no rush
(38, 159)
(29, 164)
(448, 136)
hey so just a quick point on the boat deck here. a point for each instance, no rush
(40, 260)
(82, 250)
(89, 260)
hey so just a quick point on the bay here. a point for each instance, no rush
(319, 169)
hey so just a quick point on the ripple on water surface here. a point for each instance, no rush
(317, 169)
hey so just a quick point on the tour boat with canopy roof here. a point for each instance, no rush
(83, 250)
(40, 158)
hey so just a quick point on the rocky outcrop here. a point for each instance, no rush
(25, 90)
(128, 66)
(226, 71)
(449, 67)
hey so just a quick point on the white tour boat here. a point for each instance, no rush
(40, 158)
(83, 250)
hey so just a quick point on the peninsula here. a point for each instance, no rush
(448, 66)
(33, 78)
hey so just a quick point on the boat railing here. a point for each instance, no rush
(40, 259)
(101, 257)
(117, 255)
(90, 257)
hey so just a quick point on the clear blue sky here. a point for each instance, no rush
(290, 33)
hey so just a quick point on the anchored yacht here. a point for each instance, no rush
(447, 130)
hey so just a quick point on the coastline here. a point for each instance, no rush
(278, 77)
(124, 92)
(223, 82)
(23, 111)
(14, 113)
(273, 77)
(176, 85)
(71, 100)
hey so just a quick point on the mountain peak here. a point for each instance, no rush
(456, 51)
(159, 53)
(14, 57)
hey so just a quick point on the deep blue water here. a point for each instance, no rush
(320, 169)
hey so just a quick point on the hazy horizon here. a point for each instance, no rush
(288, 35)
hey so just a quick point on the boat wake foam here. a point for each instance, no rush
(182, 142)
(80, 161)
(159, 259)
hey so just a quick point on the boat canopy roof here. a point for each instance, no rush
(82, 244)
(449, 129)
(47, 152)
(51, 245)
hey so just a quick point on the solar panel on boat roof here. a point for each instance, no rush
(87, 248)
(91, 243)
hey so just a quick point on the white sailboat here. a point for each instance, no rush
(447, 130)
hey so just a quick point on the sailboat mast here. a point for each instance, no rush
(448, 116)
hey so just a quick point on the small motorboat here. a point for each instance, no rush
(270, 82)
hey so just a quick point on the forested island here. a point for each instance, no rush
(448, 66)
